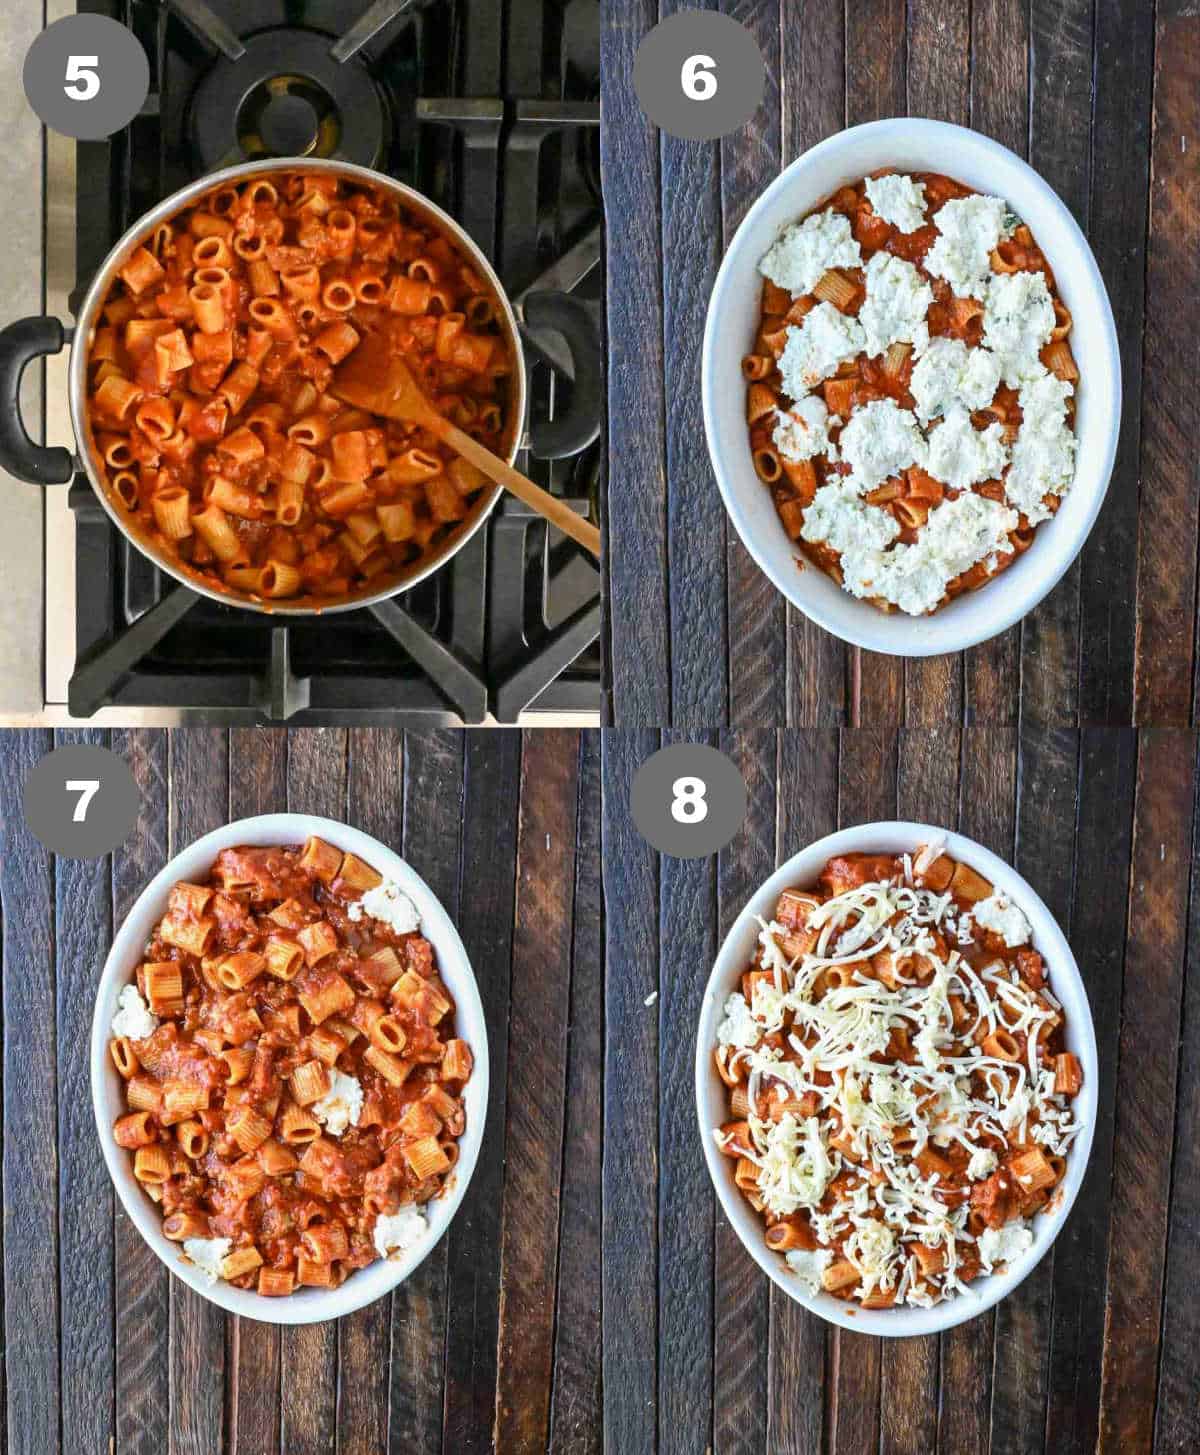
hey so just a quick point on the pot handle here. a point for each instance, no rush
(20, 344)
(579, 424)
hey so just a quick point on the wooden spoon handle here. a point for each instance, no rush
(556, 511)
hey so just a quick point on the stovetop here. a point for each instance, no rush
(489, 107)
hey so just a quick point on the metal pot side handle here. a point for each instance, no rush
(20, 344)
(579, 424)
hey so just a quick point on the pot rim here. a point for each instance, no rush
(169, 207)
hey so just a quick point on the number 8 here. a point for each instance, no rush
(688, 805)
(699, 83)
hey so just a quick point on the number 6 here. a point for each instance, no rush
(87, 83)
(87, 789)
(698, 78)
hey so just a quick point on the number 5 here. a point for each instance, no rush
(87, 83)
(87, 788)
(698, 78)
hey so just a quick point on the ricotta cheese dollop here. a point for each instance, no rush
(739, 1028)
(839, 519)
(879, 441)
(803, 430)
(949, 373)
(981, 1163)
(399, 1231)
(961, 455)
(894, 309)
(1004, 1245)
(968, 230)
(815, 348)
(806, 250)
(1043, 458)
(341, 1106)
(1003, 918)
(133, 1020)
(1018, 318)
(390, 906)
(958, 535)
(208, 1254)
(808, 1265)
(898, 200)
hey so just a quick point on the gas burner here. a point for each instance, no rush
(285, 95)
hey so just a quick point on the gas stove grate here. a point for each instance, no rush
(491, 109)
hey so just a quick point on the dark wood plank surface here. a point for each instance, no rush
(491, 775)
(691, 243)
(495, 1342)
(432, 826)
(1166, 661)
(1181, 1328)
(637, 615)
(1117, 214)
(1099, 99)
(576, 1410)
(630, 1197)
(1161, 873)
(1099, 1348)
(999, 78)
(83, 917)
(537, 1075)
(31, 1187)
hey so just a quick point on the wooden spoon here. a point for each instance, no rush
(375, 379)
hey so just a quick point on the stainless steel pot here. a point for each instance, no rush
(30, 338)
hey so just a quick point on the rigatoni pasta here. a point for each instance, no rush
(214, 428)
(293, 1081)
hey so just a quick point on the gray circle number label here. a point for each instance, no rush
(81, 801)
(688, 800)
(699, 75)
(86, 76)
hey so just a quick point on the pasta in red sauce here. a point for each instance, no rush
(293, 1079)
(208, 387)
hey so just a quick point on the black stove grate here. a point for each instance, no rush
(490, 107)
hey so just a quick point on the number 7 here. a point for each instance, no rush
(87, 789)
